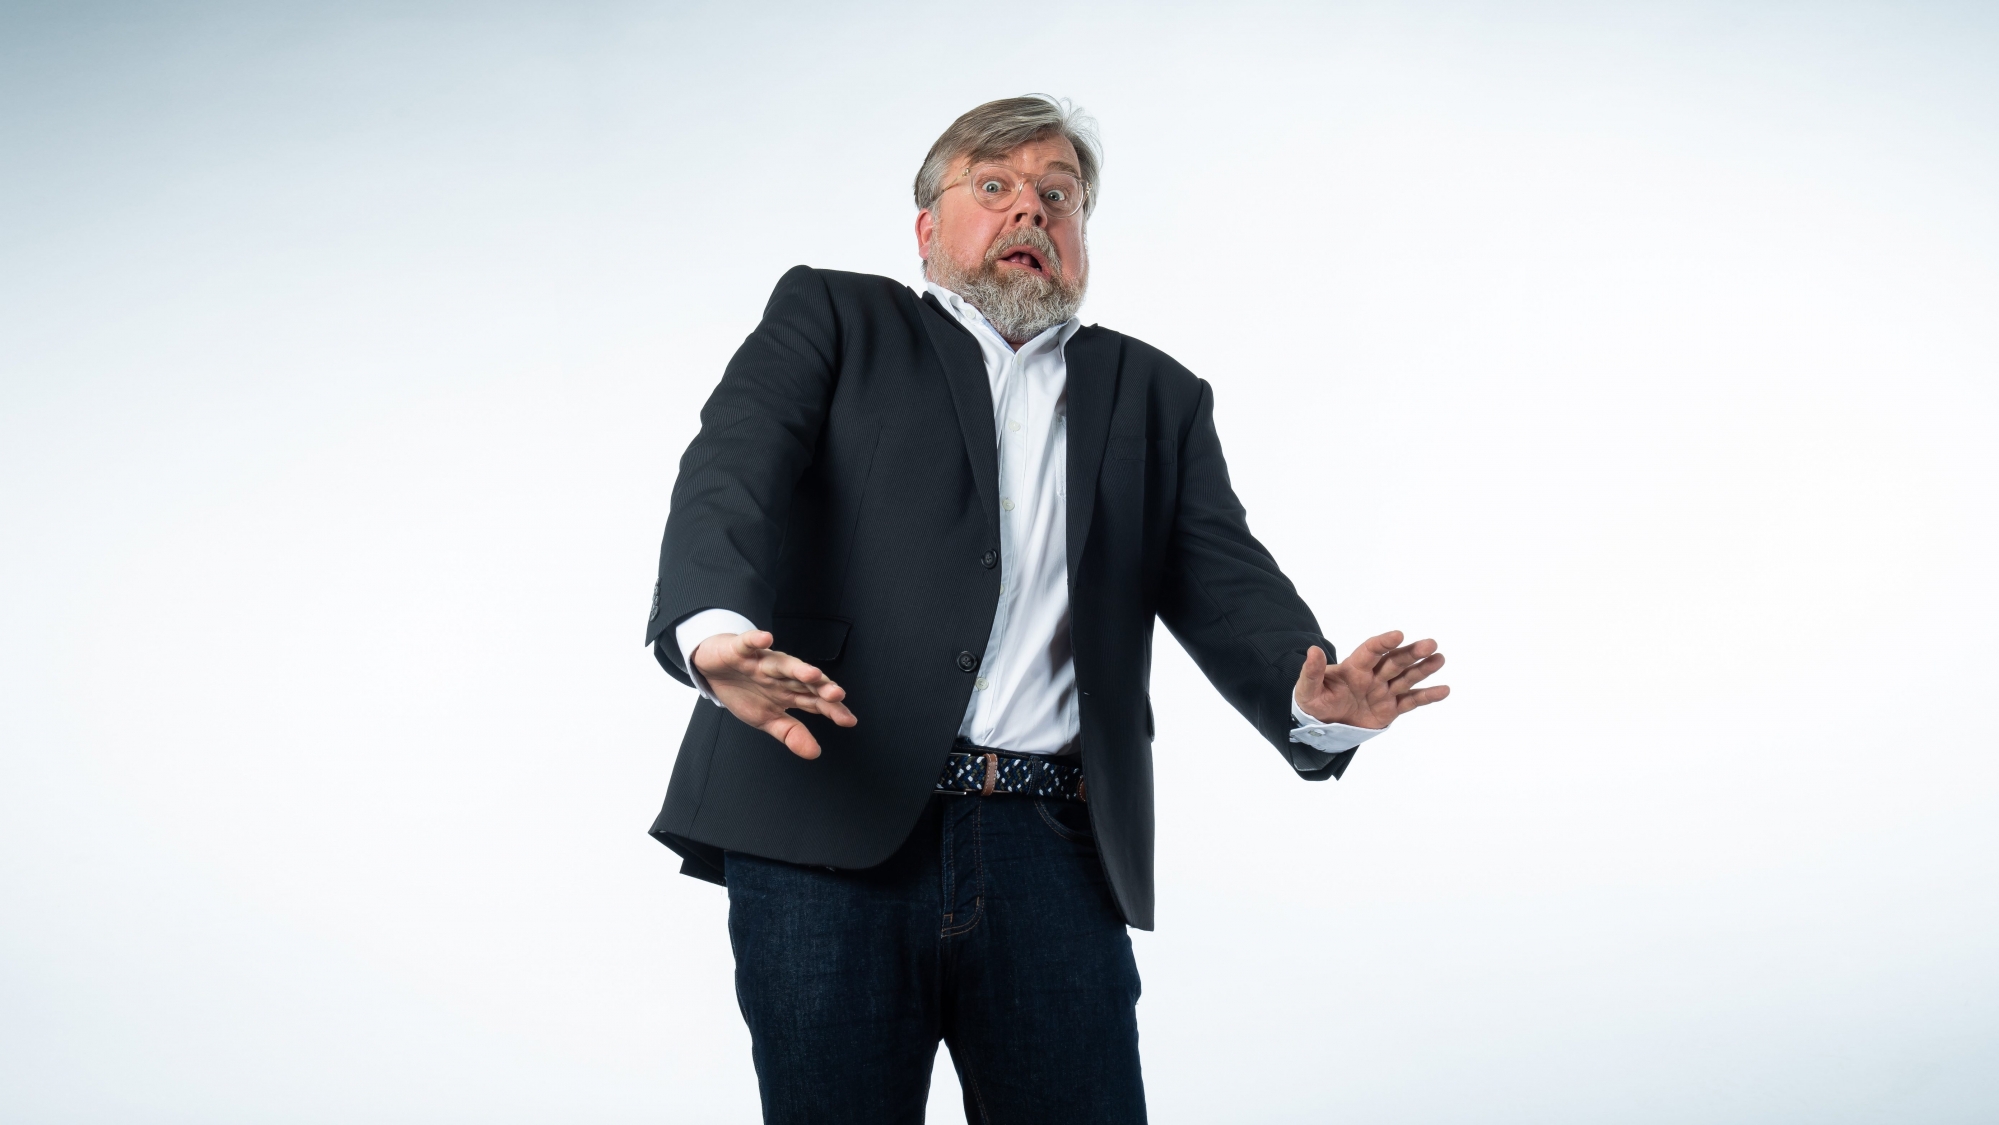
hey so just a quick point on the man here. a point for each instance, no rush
(915, 556)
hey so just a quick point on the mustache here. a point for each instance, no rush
(1033, 238)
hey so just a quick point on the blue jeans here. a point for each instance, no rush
(992, 928)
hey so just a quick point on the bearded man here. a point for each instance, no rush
(914, 557)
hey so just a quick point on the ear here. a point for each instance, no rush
(926, 223)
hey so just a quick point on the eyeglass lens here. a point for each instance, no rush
(995, 187)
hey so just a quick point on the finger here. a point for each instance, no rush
(754, 643)
(1396, 660)
(794, 668)
(793, 734)
(1407, 703)
(1416, 674)
(812, 702)
(790, 675)
(782, 667)
(1373, 649)
(835, 711)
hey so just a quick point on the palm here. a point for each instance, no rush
(1373, 685)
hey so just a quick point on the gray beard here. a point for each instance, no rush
(1017, 303)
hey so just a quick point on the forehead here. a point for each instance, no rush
(1044, 154)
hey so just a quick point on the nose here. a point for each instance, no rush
(1027, 207)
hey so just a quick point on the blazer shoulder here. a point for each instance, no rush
(842, 285)
(1163, 371)
(832, 301)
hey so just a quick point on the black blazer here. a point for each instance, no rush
(843, 493)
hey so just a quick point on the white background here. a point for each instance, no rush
(1644, 355)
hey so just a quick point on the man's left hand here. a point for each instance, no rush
(1374, 684)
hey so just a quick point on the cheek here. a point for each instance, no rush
(1072, 248)
(970, 240)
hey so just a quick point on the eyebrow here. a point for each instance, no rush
(1053, 165)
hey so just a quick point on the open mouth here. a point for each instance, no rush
(1026, 258)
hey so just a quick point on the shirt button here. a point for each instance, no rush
(989, 560)
(1012, 426)
(980, 683)
(967, 662)
(1007, 504)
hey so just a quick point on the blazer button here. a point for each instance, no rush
(967, 662)
(989, 560)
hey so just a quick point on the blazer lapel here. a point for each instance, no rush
(965, 371)
(1092, 357)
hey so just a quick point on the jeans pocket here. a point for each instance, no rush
(1068, 819)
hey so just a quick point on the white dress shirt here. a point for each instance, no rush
(1024, 699)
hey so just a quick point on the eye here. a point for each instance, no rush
(1055, 195)
(991, 187)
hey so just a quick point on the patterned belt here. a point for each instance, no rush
(975, 769)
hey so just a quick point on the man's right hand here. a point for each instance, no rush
(759, 684)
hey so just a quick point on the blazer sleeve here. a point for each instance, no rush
(1227, 603)
(759, 431)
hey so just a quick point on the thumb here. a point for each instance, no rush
(799, 741)
(1314, 672)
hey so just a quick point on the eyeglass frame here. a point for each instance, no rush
(1020, 182)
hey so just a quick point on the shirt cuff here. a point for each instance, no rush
(698, 627)
(1327, 738)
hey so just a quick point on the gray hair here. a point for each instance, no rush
(997, 128)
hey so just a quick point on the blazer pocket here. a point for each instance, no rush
(816, 640)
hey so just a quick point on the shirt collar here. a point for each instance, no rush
(1054, 336)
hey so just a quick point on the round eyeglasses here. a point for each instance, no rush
(996, 186)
